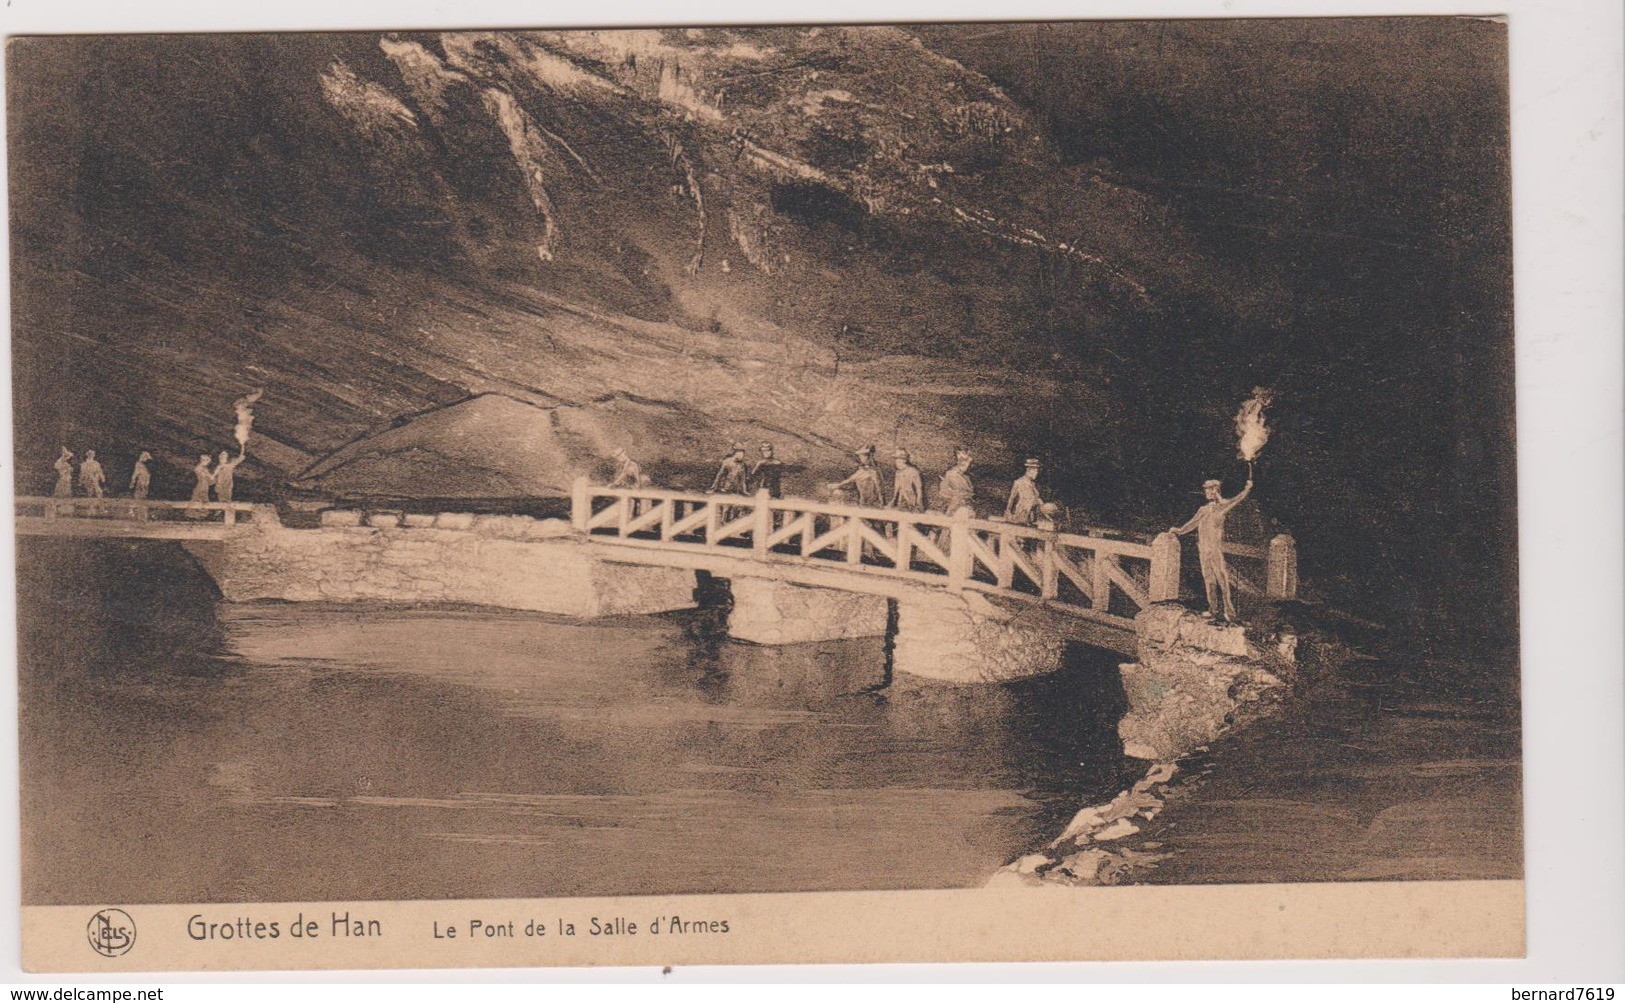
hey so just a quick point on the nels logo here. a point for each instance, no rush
(111, 932)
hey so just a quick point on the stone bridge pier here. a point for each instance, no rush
(772, 611)
(498, 561)
(960, 637)
(965, 637)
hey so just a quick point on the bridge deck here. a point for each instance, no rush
(122, 518)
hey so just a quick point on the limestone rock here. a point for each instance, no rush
(1192, 680)
(1117, 830)
(1166, 626)
(1083, 823)
(1009, 877)
(1133, 748)
(1085, 866)
(1161, 773)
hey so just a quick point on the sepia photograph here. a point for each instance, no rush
(687, 463)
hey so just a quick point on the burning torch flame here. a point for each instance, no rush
(244, 407)
(1250, 430)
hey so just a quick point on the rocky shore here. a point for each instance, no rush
(1193, 682)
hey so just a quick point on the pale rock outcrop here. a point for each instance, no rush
(1192, 680)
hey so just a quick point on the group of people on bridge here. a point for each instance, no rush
(737, 475)
(92, 478)
(955, 490)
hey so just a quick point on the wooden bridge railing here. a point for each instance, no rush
(1270, 570)
(130, 510)
(1099, 577)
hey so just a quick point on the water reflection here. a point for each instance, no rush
(283, 751)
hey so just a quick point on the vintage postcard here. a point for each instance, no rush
(942, 492)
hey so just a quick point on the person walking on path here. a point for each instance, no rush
(908, 491)
(225, 474)
(1025, 501)
(91, 476)
(865, 481)
(1209, 525)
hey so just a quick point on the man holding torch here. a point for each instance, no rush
(1251, 435)
(1209, 525)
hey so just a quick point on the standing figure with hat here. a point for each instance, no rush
(1025, 502)
(1209, 525)
(730, 480)
(956, 491)
(141, 477)
(64, 474)
(627, 473)
(225, 474)
(91, 475)
(908, 490)
(140, 485)
(865, 481)
(767, 474)
(200, 490)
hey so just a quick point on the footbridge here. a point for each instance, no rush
(961, 598)
(1081, 586)
(124, 518)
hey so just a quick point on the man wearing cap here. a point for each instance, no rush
(628, 474)
(767, 473)
(140, 484)
(141, 477)
(730, 478)
(91, 475)
(1209, 525)
(225, 473)
(1024, 503)
(865, 480)
(64, 474)
(955, 491)
(908, 491)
